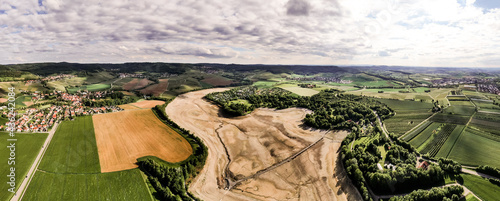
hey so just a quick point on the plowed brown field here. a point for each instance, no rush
(122, 137)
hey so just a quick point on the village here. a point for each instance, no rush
(43, 118)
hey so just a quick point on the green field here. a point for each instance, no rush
(19, 101)
(68, 82)
(475, 150)
(408, 115)
(462, 103)
(450, 118)
(73, 148)
(92, 87)
(448, 145)
(436, 141)
(460, 110)
(300, 91)
(416, 131)
(425, 135)
(70, 170)
(95, 78)
(28, 146)
(264, 84)
(471, 197)
(483, 188)
(123, 185)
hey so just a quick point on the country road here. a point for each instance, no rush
(24, 185)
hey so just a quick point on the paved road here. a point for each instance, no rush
(20, 191)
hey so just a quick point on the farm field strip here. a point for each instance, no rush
(424, 135)
(474, 150)
(450, 143)
(416, 131)
(437, 142)
(73, 148)
(31, 144)
(123, 185)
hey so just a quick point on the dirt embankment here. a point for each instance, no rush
(242, 146)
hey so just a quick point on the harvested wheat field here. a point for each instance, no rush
(145, 104)
(122, 137)
(271, 156)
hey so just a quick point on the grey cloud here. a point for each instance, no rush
(384, 53)
(298, 8)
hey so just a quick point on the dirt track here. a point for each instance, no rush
(122, 137)
(255, 142)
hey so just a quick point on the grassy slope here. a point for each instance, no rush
(28, 146)
(472, 149)
(483, 188)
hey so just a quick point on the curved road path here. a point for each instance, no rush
(24, 185)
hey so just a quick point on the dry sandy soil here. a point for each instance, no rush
(122, 137)
(255, 142)
(145, 104)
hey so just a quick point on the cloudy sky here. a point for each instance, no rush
(342, 32)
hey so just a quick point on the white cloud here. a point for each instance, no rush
(393, 32)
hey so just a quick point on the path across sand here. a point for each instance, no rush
(240, 147)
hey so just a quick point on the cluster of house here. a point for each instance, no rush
(320, 78)
(50, 78)
(41, 120)
(452, 81)
(488, 88)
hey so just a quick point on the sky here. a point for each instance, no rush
(449, 33)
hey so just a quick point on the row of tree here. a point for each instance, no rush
(449, 193)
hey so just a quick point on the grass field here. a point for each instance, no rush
(473, 149)
(94, 78)
(73, 148)
(408, 115)
(216, 80)
(460, 110)
(92, 87)
(23, 101)
(471, 197)
(299, 90)
(28, 146)
(264, 83)
(450, 118)
(462, 103)
(416, 131)
(69, 83)
(425, 135)
(450, 143)
(123, 185)
(122, 137)
(483, 188)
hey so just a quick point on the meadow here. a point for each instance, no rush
(61, 85)
(73, 148)
(472, 149)
(92, 87)
(450, 118)
(408, 115)
(483, 188)
(123, 185)
(28, 146)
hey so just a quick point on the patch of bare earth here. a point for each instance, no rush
(145, 104)
(243, 146)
